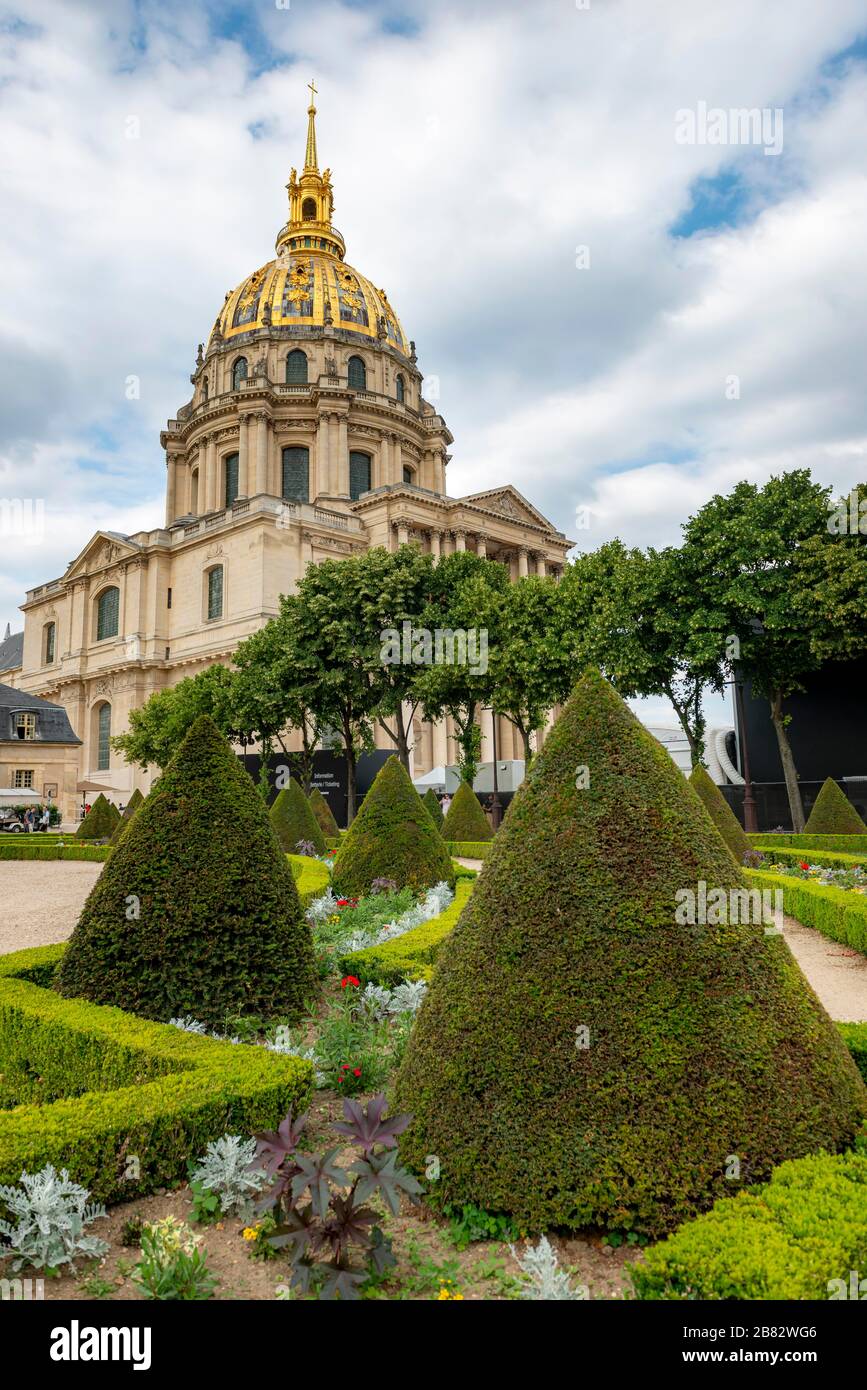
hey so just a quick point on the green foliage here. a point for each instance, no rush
(322, 811)
(29, 847)
(311, 877)
(854, 1036)
(531, 661)
(119, 1101)
(836, 912)
(833, 813)
(797, 1237)
(465, 819)
(126, 815)
(196, 912)
(700, 1041)
(294, 821)
(171, 1265)
(823, 858)
(469, 849)
(51, 1214)
(720, 812)
(468, 1224)
(410, 956)
(100, 821)
(434, 810)
(159, 726)
(769, 842)
(391, 837)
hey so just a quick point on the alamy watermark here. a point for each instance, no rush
(739, 125)
(717, 907)
(442, 646)
(848, 516)
(23, 517)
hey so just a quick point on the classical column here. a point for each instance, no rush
(541, 565)
(384, 461)
(212, 474)
(487, 723)
(435, 542)
(342, 456)
(402, 531)
(505, 730)
(523, 568)
(171, 482)
(202, 480)
(460, 540)
(482, 545)
(262, 453)
(440, 743)
(396, 459)
(244, 446)
(321, 475)
(243, 467)
(333, 460)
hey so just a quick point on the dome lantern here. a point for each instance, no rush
(311, 201)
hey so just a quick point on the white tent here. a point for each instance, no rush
(436, 778)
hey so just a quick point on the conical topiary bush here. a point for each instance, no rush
(100, 821)
(322, 811)
(833, 813)
(720, 813)
(126, 815)
(465, 819)
(196, 910)
(391, 837)
(294, 821)
(434, 810)
(581, 1059)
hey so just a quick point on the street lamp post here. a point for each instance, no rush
(496, 809)
(751, 823)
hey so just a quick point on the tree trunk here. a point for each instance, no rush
(351, 794)
(398, 736)
(790, 772)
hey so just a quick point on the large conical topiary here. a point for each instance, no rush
(100, 821)
(391, 837)
(196, 910)
(322, 811)
(126, 815)
(581, 1059)
(434, 810)
(833, 813)
(465, 819)
(294, 821)
(720, 813)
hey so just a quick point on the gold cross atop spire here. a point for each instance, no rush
(313, 90)
(310, 160)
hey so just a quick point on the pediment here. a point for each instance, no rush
(510, 503)
(104, 549)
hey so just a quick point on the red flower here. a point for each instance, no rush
(357, 1071)
(342, 902)
(349, 980)
(802, 865)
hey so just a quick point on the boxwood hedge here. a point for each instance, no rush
(836, 912)
(833, 813)
(849, 844)
(411, 956)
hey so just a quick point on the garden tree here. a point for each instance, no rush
(158, 727)
(720, 813)
(465, 819)
(196, 911)
(754, 560)
(392, 588)
(100, 821)
(322, 811)
(833, 813)
(391, 837)
(434, 810)
(584, 1058)
(462, 601)
(268, 695)
(634, 615)
(127, 814)
(531, 663)
(294, 821)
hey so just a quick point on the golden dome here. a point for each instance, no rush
(310, 285)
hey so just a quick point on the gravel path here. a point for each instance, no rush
(40, 904)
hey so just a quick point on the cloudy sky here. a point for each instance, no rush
(620, 316)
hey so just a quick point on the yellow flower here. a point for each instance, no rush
(250, 1232)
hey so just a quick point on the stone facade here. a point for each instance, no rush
(307, 437)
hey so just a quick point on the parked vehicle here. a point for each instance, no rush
(10, 821)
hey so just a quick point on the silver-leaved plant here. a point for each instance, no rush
(226, 1170)
(545, 1281)
(50, 1214)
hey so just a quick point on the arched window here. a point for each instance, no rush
(231, 478)
(296, 474)
(400, 389)
(50, 631)
(215, 592)
(359, 474)
(296, 368)
(204, 388)
(239, 373)
(308, 210)
(107, 614)
(408, 475)
(357, 374)
(103, 734)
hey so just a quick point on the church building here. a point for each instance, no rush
(307, 437)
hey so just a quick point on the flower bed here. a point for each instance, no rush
(412, 955)
(838, 913)
(824, 858)
(795, 1237)
(124, 1101)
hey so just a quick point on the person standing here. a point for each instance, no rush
(445, 803)
(45, 819)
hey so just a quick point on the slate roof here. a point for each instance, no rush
(52, 721)
(12, 652)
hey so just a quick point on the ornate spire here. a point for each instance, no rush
(311, 165)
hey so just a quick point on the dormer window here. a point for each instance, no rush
(25, 727)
